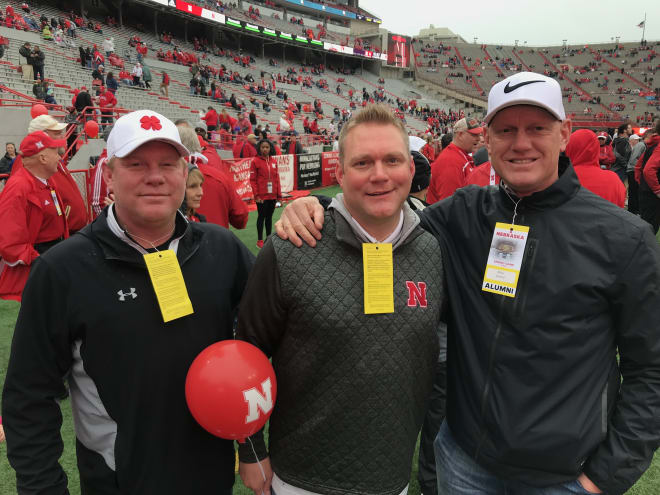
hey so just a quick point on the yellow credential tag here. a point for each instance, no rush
(505, 259)
(378, 278)
(167, 279)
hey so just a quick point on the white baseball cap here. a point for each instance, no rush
(635, 136)
(142, 126)
(45, 123)
(416, 143)
(526, 88)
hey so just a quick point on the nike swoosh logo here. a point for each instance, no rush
(509, 89)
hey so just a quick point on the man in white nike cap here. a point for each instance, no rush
(91, 313)
(546, 282)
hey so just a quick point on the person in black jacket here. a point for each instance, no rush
(537, 399)
(37, 61)
(89, 313)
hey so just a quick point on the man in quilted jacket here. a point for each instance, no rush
(351, 327)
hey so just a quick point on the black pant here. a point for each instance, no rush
(633, 193)
(649, 208)
(265, 211)
(435, 415)
(38, 72)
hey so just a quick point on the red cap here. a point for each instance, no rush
(35, 142)
(602, 134)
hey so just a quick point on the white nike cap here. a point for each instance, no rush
(526, 88)
(142, 126)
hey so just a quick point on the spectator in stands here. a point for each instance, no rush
(107, 103)
(37, 61)
(8, 160)
(592, 300)
(141, 50)
(49, 94)
(265, 182)
(109, 46)
(583, 151)
(39, 90)
(125, 77)
(606, 154)
(111, 82)
(374, 154)
(111, 372)
(32, 212)
(136, 73)
(647, 173)
(220, 204)
(622, 150)
(98, 76)
(146, 76)
(46, 33)
(638, 149)
(449, 170)
(245, 148)
(164, 85)
(211, 119)
(84, 104)
(193, 196)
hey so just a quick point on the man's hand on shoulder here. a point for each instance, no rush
(587, 484)
(302, 218)
(253, 478)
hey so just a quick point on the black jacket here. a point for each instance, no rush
(5, 164)
(37, 58)
(89, 310)
(622, 151)
(533, 381)
(83, 100)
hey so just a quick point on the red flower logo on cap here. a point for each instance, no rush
(152, 123)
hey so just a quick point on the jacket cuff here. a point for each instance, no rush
(245, 452)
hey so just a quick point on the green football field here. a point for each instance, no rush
(649, 484)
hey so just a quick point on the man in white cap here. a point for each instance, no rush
(92, 312)
(546, 282)
(449, 170)
(73, 204)
(638, 149)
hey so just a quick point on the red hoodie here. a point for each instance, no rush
(606, 155)
(584, 150)
(652, 167)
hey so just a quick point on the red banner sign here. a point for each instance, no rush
(329, 161)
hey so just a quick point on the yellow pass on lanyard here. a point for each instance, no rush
(505, 259)
(167, 279)
(378, 278)
(56, 203)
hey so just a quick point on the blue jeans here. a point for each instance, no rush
(459, 474)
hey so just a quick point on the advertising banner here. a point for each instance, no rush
(309, 171)
(285, 166)
(240, 171)
(329, 161)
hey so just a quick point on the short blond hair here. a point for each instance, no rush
(372, 114)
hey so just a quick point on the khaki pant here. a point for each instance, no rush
(28, 72)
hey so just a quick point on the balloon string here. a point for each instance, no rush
(258, 461)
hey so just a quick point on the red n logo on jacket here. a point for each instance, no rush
(416, 294)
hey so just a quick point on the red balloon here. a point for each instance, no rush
(231, 389)
(37, 110)
(91, 129)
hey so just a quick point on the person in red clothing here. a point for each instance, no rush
(483, 175)
(165, 85)
(74, 206)
(31, 212)
(220, 203)
(449, 170)
(647, 174)
(605, 153)
(211, 119)
(107, 102)
(583, 152)
(314, 127)
(265, 182)
(428, 150)
(245, 148)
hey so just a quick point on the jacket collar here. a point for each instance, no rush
(347, 231)
(116, 248)
(561, 191)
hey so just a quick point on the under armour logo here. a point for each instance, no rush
(122, 295)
